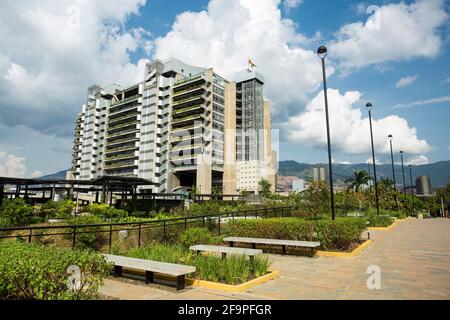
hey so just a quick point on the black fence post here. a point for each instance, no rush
(185, 223)
(219, 224)
(74, 237)
(164, 226)
(139, 236)
(30, 235)
(203, 221)
(110, 237)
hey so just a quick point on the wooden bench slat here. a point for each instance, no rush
(150, 265)
(296, 243)
(226, 250)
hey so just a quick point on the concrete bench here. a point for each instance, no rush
(278, 242)
(150, 267)
(225, 250)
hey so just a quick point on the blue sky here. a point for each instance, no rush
(112, 44)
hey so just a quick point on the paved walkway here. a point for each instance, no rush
(414, 259)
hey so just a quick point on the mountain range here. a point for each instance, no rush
(438, 172)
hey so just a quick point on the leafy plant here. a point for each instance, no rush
(88, 237)
(106, 212)
(193, 236)
(15, 212)
(31, 272)
(359, 179)
(264, 186)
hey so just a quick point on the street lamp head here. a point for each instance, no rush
(401, 152)
(322, 52)
(390, 137)
(369, 106)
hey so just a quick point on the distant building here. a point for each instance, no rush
(423, 186)
(298, 185)
(319, 172)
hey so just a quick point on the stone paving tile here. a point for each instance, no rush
(414, 258)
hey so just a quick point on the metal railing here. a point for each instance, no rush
(213, 221)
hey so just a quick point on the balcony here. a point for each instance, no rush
(120, 141)
(190, 127)
(127, 116)
(123, 125)
(186, 101)
(188, 90)
(125, 101)
(190, 118)
(122, 110)
(115, 150)
(121, 133)
(120, 157)
(121, 165)
(190, 80)
(189, 109)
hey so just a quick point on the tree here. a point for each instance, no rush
(317, 199)
(386, 183)
(360, 178)
(264, 187)
(443, 192)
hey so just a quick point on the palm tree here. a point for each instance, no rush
(361, 178)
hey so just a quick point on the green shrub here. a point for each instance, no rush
(15, 212)
(31, 272)
(107, 212)
(64, 209)
(193, 236)
(57, 209)
(85, 239)
(332, 235)
(376, 220)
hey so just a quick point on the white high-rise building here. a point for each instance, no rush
(182, 126)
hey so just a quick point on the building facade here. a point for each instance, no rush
(319, 173)
(181, 127)
(423, 186)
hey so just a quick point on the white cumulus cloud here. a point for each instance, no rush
(51, 51)
(406, 81)
(349, 128)
(394, 32)
(230, 31)
(11, 166)
(417, 161)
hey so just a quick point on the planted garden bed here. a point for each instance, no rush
(233, 270)
(339, 235)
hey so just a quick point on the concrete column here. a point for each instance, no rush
(229, 170)
(204, 174)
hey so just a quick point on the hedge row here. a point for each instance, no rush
(332, 235)
(32, 272)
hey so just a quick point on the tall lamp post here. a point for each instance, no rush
(369, 108)
(322, 53)
(403, 175)
(390, 137)
(411, 181)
